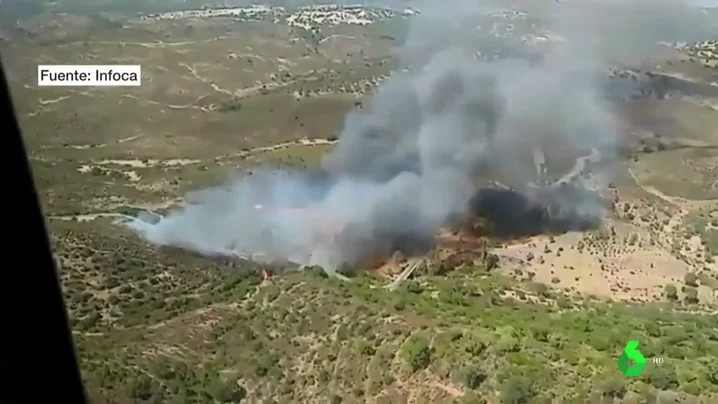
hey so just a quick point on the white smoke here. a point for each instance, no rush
(403, 165)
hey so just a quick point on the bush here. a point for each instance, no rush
(413, 286)
(347, 270)
(416, 353)
(227, 392)
(112, 282)
(614, 388)
(712, 371)
(691, 279)
(492, 261)
(541, 333)
(363, 348)
(142, 388)
(90, 321)
(517, 390)
(474, 346)
(473, 377)
(316, 271)
(661, 377)
(691, 295)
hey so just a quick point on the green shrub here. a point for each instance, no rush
(416, 352)
(517, 390)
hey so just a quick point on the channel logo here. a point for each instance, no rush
(632, 362)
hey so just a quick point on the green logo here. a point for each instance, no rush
(632, 361)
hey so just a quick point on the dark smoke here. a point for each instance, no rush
(512, 213)
(404, 165)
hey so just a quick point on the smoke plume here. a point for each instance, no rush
(404, 163)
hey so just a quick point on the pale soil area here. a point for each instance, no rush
(689, 248)
(607, 268)
(639, 250)
(154, 163)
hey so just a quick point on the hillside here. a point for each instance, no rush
(484, 317)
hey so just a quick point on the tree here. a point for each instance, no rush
(416, 352)
(691, 279)
(671, 292)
